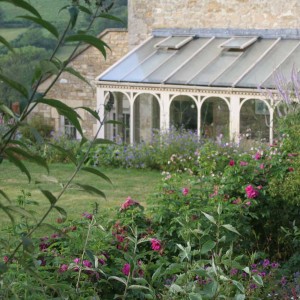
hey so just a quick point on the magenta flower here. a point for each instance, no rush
(156, 244)
(126, 269)
(76, 260)
(248, 203)
(5, 259)
(251, 192)
(63, 268)
(243, 163)
(129, 202)
(257, 156)
(231, 163)
(291, 169)
(262, 166)
(87, 264)
(87, 216)
(185, 191)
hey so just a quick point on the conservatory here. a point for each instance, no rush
(219, 83)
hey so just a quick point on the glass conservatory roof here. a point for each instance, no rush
(247, 61)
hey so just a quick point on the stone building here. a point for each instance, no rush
(199, 64)
(195, 64)
(76, 93)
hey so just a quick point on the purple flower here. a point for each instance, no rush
(87, 264)
(253, 286)
(283, 281)
(63, 268)
(126, 269)
(233, 272)
(87, 216)
(266, 263)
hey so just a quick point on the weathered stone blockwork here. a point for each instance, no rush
(90, 63)
(145, 15)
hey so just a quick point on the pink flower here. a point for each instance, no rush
(231, 163)
(87, 215)
(251, 192)
(126, 269)
(155, 244)
(76, 260)
(129, 202)
(185, 191)
(248, 203)
(5, 259)
(262, 166)
(257, 156)
(87, 264)
(243, 163)
(63, 268)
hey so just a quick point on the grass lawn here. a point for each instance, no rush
(139, 184)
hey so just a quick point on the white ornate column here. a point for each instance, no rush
(234, 118)
(164, 111)
(101, 111)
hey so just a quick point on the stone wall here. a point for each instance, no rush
(74, 92)
(145, 15)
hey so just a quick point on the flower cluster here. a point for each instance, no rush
(128, 203)
(251, 192)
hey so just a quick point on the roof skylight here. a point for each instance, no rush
(239, 43)
(173, 42)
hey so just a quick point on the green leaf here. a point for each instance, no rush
(62, 212)
(52, 199)
(230, 228)
(77, 74)
(94, 113)
(120, 279)
(209, 217)
(7, 110)
(25, 5)
(3, 268)
(73, 11)
(247, 270)
(91, 256)
(34, 158)
(15, 85)
(48, 67)
(258, 279)
(175, 288)
(17, 163)
(85, 9)
(239, 286)
(28, 245)
(194, 296)
(64, 110)
(207, 246)
(110, 17)
(4, 195)
(239, 297)
(89, 39)
(45, 24)
(6, 44)
(156, 274)
(103, 141)
(219, 210)
(173, 269)
(138, 287)
(68, 154)
(92, 190)
(96, 172)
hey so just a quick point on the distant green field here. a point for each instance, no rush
(11, 33)
(48, 9)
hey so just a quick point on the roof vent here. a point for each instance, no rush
(239, 42)
(173, 42)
